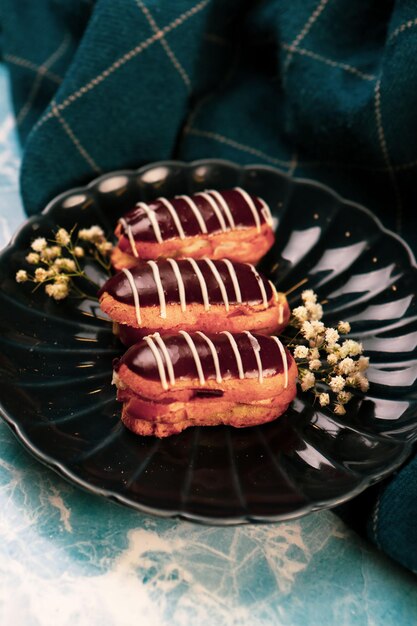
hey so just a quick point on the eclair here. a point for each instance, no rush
(215, 224)
(167, 295)
(167, 384)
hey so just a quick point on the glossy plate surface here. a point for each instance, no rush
(56, 361)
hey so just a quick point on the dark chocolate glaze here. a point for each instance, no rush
(140, 359)
(142, 229)
(119, 287)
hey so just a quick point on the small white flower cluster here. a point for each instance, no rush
(324, 359)
(57, 270)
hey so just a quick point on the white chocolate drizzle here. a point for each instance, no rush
(234, 278)
(235, 349)
(251, 205)
(128, 231)
(194, 352)
(135, 294)
(168, 361)
(158, 360)
(219, 282)
(281, 314)
(257, 350)
(180, 282)
(196, 212)
(175, 217)
(261, 285)
(215, 208)
(202, 282)
(213, 351)
(284, 360)
(151, 214)
(222, 202)
(266, 212)
(160, 288)
(274, 290)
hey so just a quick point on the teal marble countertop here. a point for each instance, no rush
(68, 558)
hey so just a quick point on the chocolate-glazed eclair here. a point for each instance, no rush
(168, 295)
(169, 383)
(214, 224)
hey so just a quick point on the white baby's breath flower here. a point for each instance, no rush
(63, 237)
(331, 336)
(68, 265)
(312, 329)
(343, 327)
(300, 313)
(62, 279)
(315, 364)
(343, 397)
(313, 354)
(33, 258)
(315, 311)
(41, 275)
(332, 358)
(362, 363)
(346, 366)
(308, 381)
(51, 253)
(337, 383)
(324, 399)
(104, 247)
(362, 382)
(93, 234)
(339, 409)
(308, 295)
(300, 352)
(350, 348)
(22, 276)
(57, 291)
(39, 244)
(78, 252)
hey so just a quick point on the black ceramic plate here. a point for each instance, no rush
(56, 358)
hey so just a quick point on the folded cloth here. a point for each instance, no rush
(323, 89)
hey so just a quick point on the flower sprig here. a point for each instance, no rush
(327, 364)
(58, 261)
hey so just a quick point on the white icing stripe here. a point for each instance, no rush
(266, 212)
(235, 349)
(261, 285)
(224, 206)
(202, 282)
(168, 360)
(135, 294)
(251, 205)
(151, 214)
(160, 288)
(234, 278)
(196, 212)
(158, 360)
(284, 359)
(174, 216)
(219, 282)
(213, 351)
(281, 314)
(274, 290)
(180, 282)
(194, 352)
(128, 231)
(256, 349)
(215, 208)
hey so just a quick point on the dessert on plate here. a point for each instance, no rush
(215, 224)
(168, 295)
(167, 384)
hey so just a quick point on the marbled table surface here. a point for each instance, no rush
(68, 558)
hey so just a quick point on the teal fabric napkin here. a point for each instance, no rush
(324, 89)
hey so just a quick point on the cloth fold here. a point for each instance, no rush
(322, 89)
